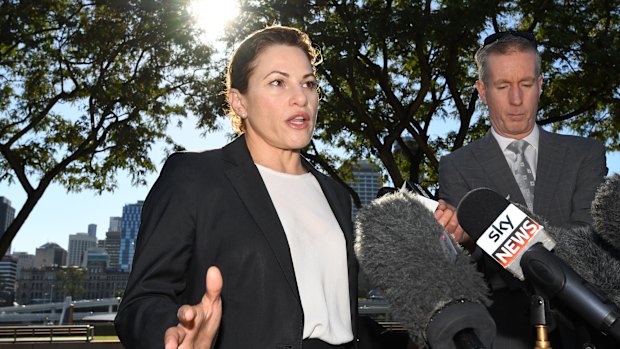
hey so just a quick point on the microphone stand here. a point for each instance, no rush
(538, 311)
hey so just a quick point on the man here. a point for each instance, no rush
(554, 175)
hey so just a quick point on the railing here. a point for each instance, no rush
(50, 333)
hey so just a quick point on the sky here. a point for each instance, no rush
(59, 214)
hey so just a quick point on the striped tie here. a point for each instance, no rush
(523, 172)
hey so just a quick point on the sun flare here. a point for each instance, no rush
(211, 16)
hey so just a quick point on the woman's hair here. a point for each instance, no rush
(241, 64)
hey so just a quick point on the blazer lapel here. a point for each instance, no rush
(492, 160)
(251, 189)
(551, 156)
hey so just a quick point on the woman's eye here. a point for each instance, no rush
(276, 82)
(310, 84)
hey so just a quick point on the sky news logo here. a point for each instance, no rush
(508, 236)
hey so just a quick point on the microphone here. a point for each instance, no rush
(583, 249)
(520, 245)
(430, 283)
(606, 211)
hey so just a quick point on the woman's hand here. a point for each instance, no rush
(198, 324)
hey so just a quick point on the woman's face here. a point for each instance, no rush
(281, 102)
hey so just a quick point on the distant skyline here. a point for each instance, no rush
(59, 214)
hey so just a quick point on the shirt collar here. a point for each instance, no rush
(503, 142)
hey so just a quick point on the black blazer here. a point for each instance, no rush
(212, 208)
(568, 173)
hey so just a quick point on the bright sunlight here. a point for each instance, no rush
(212, 16)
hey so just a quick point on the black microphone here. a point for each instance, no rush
(584, 250)
(521, 245)
(606, 211)
(430, 283)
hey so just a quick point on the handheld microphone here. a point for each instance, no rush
(511, 237)
(606, 211)
(430, 283)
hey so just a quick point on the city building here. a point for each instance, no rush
(39, 285)
(50, 255)
(25, 260)
(78, 245)
(98, 257)
(7, 215)
(129, 232)
(92, 230)
(115, 223)
(366, 182)
(8, 277)
(112, 245)
(53, 284)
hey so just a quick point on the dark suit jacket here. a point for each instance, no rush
(568, 173)
(212, 208)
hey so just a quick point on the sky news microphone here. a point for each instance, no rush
(606, 211)
(430, 284)
(521, 245)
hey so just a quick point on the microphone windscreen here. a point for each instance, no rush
(606, 211)
(582, 249)
(478, 209)
(419, 270)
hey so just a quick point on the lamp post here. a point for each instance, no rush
(51, 292)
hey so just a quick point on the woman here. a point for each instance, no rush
(279, 232)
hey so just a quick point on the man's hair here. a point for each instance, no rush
(505, 43)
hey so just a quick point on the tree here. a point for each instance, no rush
(70, 280)
(393, 70)
(88, 86)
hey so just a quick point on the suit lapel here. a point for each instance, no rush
(492, 160)
(248, 183)
(551, 156)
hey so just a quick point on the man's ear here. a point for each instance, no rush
(482, 92)
(237, 102)
(540, 81)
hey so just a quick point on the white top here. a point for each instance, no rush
(318, 251)
(531, 152)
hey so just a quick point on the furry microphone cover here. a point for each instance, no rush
(606, 211)
(419, 270)
(585, 251)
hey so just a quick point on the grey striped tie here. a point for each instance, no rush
(523, 172)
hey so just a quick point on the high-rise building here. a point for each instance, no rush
(8, 276)
(78, 245)
(92, 230)
(129, 232)
(115, 224)
(50, 255)
(7, 215)
(25, 260)
(366, 182)
(112, 245)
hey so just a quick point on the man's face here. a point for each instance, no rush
(511, 93)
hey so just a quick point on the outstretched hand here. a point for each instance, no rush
(446, 216)
(198, 324)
